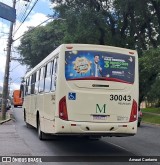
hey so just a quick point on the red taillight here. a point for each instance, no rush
(63, 109)
(131, 52)
(133, 115)
(69, 47)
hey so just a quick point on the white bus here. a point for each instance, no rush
(83, 90)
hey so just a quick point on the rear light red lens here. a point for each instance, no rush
(63, 109)
(69, 47)
(131, 52)
(133, 115)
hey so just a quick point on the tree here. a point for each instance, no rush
(129, 23)
(38, 43)
(150, 75)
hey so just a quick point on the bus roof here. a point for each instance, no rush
(79, 46)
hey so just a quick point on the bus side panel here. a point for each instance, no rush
(49, 112)
(40, 110)
(33, 110)
(26, 106)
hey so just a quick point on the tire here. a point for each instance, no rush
(24, 116)
(15, 106)
(40, 133)
(28, 125)
(139, 123)
(25, 120)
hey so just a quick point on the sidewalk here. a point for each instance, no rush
(8, 116)
(10, 142)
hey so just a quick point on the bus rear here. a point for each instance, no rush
(97, 91)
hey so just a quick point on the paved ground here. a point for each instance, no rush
(7, 117)
(18, 140)
(10, 141)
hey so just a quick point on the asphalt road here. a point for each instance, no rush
(145, 143)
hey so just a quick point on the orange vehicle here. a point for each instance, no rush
(17, 100)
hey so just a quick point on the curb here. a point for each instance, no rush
(9, 115)
(4, 121)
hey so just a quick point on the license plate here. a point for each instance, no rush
(99, 117)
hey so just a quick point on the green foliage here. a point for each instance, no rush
(150, 75)
(128, 23)
(152, 110)
(155, 119)
(37, 44)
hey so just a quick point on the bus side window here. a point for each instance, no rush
(22, 89)
(37, 82)
(47, 77)
(33, 83)
(41, 80)
(54, 75)
(26, 87)
(29, 86)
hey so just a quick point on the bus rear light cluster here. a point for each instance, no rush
(133, 115)
(131, 52)
(63, 109)
(69, 47)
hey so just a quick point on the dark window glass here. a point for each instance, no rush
(26, 87)
(33, 80)
(37, 82)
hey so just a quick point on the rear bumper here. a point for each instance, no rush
(98, 129)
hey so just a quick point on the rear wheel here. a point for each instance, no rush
(139, 123)
(24, 116)
(25, 120)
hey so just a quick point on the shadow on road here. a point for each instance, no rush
(73, 145)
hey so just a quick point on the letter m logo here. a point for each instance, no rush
(101, 109)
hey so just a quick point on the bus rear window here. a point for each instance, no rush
(97, 65)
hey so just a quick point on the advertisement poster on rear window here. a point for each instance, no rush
(97, 65)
